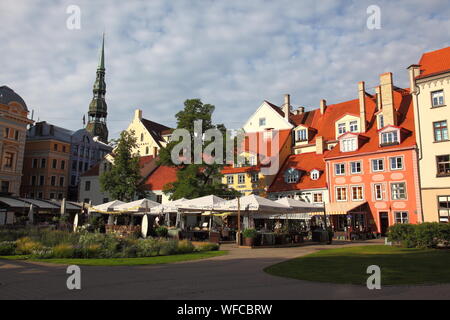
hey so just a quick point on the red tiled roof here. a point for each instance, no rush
(230, 169)
(93, 171)
(144, 160)
(405, 114)
(434, 62)
(160, 177)
(305, 163)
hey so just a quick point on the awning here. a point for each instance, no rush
(289, 216)
(42, 204)
(338, 208)
(14, 202)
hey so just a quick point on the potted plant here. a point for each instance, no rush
(249, 236)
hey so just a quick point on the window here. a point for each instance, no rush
(34, 163)
(147, 150)
(41, 180)
(5, 186)
(339, 169)
(73, 180)
(9, 160)
(16, 135)
(61, 181)
(440, 131)
(377, 165)
(87, 186)
(52, 196)
(317, 197)
(341, 194)
(142, 137)
(348, 145)
(396, 163)
(33, 180)
(357, 193)
(315, 174)
(398, 191)
(262, 122)
(401, 217)
(54, 163)
(80, 165)
(63, 148)
(302, 135)
(105, 200)
(53, 181)
(341, 128)
(252, 160)
(437, 98)
(60, 196)
(55, 147)
(390, 137)
(63, 164)
(86, 166)
(444, 208)
(378, 191)
(241, 178)
(353, 126)
(6, 133)
(230, 179)
(380, 121)
(75, 150)
(40, 195)
(159, 198)
(291, 175)
(355, 167)
(254, 177)
(43, 163)
(443, 165)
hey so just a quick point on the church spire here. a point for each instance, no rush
(98, 108)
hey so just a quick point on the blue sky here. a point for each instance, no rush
(233, 54)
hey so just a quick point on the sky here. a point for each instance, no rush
(232, 54)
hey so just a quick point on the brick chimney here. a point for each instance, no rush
(138, 114)
(378, 93)
(319, 145)
(300, 110)
(387, 99)
(414, 71)
(323, 106)
(362, 105)
(286, 106)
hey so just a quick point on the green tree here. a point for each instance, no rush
(195, 180)
(123, 181)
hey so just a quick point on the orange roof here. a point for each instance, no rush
(144, 160)
(230, 169)
(305, 163)
(434, 62)
(370, 143)
(160, 177)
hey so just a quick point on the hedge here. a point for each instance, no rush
(424, 235)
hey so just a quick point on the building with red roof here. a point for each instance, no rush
(157, 179)
(430, 88)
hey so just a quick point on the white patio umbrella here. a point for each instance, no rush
(253, 203)
(31, 214)
(63, 206)
(300, 206)
(206, 203)
(138, 206)
(171, 206)
(106, 207)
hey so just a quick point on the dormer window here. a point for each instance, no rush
(291, 175)
(349, 144)
(389, 138)
(353, 126)
(302, 135)
(315, 174)
(341, 128)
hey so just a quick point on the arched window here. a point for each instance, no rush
(146, 150)
(142, 137)
(315, 174)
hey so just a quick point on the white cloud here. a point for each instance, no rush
(233, 54)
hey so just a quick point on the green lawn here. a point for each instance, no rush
(349, 265)
(126, 261)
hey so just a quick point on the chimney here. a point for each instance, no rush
(378, 92)
(387, 99)
(319, 145)
(286, 106)
(323, 106)
(300, 110)
(362, 105)
(414, 71)
(138, 114)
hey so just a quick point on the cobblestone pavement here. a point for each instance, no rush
(238, 275)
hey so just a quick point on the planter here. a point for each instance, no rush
(248, 242)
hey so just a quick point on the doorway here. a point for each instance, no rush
(384, 223)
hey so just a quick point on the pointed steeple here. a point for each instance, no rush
(98, 108)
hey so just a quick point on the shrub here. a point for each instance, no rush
(26, 246)
(404, 234)
(185, 246)
(64, 251)
(42, 253)
(161, 232)
(148, 247)
(249, 233)
(7, 248)
(168, 247)
(427, 234)
(444, 233)
(208, 246)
